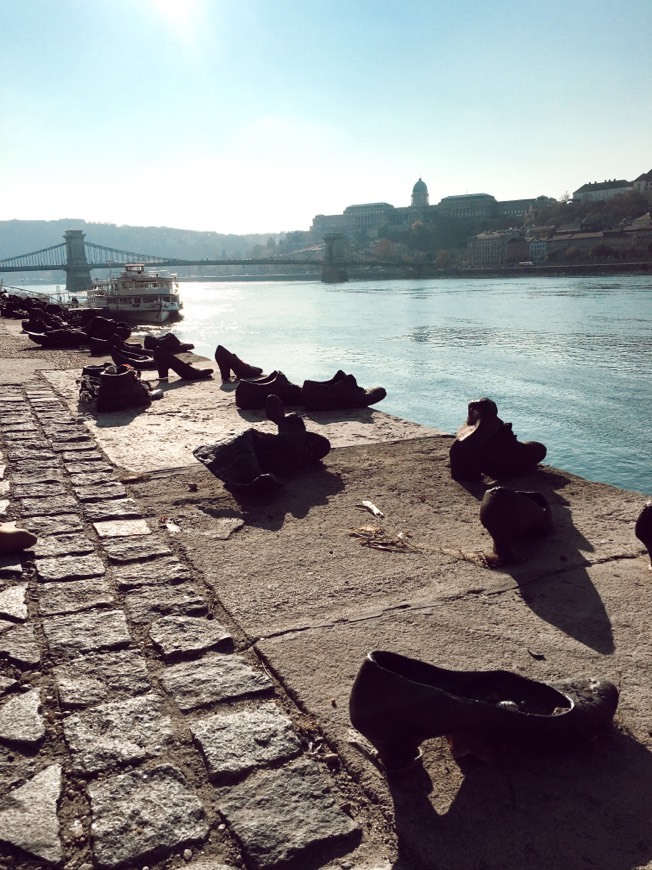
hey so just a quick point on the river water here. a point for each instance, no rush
(567, 360)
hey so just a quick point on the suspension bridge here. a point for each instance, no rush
(77, 258)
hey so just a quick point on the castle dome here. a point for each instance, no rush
(420, 194)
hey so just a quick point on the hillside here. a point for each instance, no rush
(23, 237)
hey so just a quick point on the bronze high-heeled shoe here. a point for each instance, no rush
(228, 362)
(165, 361)
(397, 703)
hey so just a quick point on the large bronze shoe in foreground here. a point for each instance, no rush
(398, 702)
(485, 444)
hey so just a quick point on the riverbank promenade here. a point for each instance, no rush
(176, 663)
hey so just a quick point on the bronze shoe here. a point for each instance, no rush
(398, 702)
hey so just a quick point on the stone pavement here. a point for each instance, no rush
(176, 665)
(136, 728)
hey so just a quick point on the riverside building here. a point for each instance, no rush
(367, 218)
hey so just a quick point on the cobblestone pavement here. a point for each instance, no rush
(136, 730)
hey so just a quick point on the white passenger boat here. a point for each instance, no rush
(137, 296)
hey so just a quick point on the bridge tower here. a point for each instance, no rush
(333, 270)
(78, 273)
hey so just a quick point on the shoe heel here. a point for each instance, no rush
(163, 372)
(396, 756)
(223, 360)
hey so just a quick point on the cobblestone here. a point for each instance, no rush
(121, 528)
(236, 742)
(28, 817)
(99, 677)
(99, 491)
(136, 813)
(155, 572)
(74, 595)
(44, 475)
(39, 490)
(12, 603)
(18, 643)
(268, 813)
(44, 526)
(73, 447)
(90, 478)
(63, 545)
(21, 720)
(77, 456)
(69, 568)
(181, 635)
(6, 683)
(147, 603)
(118, 731)
(132, 548)
(80, 632)
(146, 702)
(215, 677)
(112, 509)
(61, 504)
(85, 464)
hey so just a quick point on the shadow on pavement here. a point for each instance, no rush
(588, 809)
(306, 489)
(552, 571)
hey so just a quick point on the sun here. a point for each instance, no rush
(180, 15)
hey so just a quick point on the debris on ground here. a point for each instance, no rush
(367, 505)
(378, 538)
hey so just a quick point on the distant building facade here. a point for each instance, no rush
(496, 248)
(368, 218)
(596, 191)
(493, 248)
(643, 185)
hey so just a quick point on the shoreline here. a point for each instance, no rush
(427, 271)
(303, 602)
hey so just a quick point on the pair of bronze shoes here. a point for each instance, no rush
(258, 463)
(340, 392)
(487, 445)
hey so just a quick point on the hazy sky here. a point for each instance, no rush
(254, 115)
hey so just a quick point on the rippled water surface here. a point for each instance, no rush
(567, 360)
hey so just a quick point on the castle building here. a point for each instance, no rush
(368, 218)
(420, 194)
(643, 184)
(595, 191)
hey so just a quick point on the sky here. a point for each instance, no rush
(253, 116)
